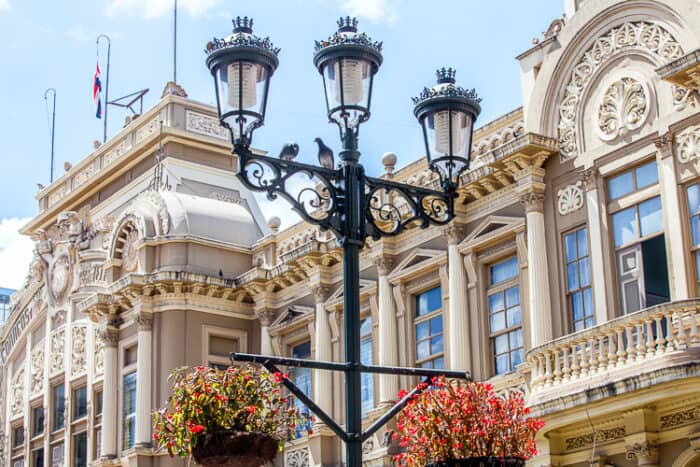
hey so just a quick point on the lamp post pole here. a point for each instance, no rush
(343, 199)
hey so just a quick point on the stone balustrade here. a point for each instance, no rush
(643, 341)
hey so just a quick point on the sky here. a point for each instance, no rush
(51, 44)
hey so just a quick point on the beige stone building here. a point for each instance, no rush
(571, 273)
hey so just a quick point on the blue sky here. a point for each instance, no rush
(52, 44)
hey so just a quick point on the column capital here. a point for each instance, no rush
(533, 201)
(266, 317)
(589, 177)
(384, 264)
(109, 335)
(646, 452)
(144, 321)
(453, 233)
(320, 294)
(664, 144)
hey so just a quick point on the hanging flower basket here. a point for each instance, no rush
(481, 462)
(235, 417)
(465, 424)
(235, 449)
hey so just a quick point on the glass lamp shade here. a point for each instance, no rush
(242, 65)
(447, 114)
(348, 62)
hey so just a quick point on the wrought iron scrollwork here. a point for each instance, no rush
(312, 191)
(393, 207)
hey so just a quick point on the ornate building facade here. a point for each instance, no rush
(571, 273)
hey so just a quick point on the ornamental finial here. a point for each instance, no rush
(446, 75)
(244, 25)
(347, 24)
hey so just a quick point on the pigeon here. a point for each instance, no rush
(325, 155)
(221, 274)
(289, 152)
(40, 186)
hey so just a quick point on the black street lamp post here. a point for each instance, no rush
(343, 199)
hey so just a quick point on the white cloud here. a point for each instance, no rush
(16, 252)
(77, 33)
(157, 8)
(4, 5)
(377, 11)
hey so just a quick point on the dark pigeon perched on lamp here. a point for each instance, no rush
(289, 152)
(325, 155)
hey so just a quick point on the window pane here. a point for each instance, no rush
(647, 175)
(584, 272)
(423, 350)
(422, 330)
(498, 321)
(302, 350)
(367, 379)
(502, 364)
(577, 306)
(624, 226)
(694, 199)
(504, 270)
(570, 246)
(572, 277)
(436, 325)
(620, 185)
(428, 301)
(79, 402)
(588, 301)
(631, 293)
(582, 241)
(129, 411)
(514, 316)
(37, 421)
(59, 405)
(516, 339)
(695, 229)
(651, 219)
(496, 302)
(80, 450)
(436, 344)
(366, 327)
(513, 296)
(439, 363)
(516, 358)
(500, 344)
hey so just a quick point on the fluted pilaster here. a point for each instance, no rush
(458, 312)
(323, 379)
(143, 380)
(387, 344)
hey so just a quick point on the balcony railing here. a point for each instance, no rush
(640, 339)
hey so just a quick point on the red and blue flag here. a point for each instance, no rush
(97, 93)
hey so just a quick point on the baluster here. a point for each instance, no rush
(659, 333)
(575, 373)
(592, 356)
(669, 332)
(602, 354)
(534, 372)
(543, 372)
(548, 368)
(566, 371)
(584, 359)
(612, 348)
(649, 323)
(621, 349)
(640, 347)
(693, 325)
(681, 338)
(557, 365)
(630, 343)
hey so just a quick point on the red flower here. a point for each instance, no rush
(251, 408)
(196, 428)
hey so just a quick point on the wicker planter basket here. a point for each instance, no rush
(235, 449)
(481, 462)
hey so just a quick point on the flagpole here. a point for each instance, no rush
(53, 125)
(109, 48)
(174, 41)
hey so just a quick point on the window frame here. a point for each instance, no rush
(227, 333)
(74, 447)
(426, 318)
(75, 417)
(34, 433)
(693, 249)
(300, 431)
(54, 428)
(568, 294)
(501, 288)
(124, 370)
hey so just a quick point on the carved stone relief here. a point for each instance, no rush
(624, 106)
(78, 350)
(688, 145)
(570, 198)
(204, 125)
(641, 34)
(600, 436)
(17, 404)
(130, 258)
(645, 451)
(99, 354)
(56, 356)
(37, 379)
(297, 458)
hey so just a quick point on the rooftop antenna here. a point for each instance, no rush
(53, 123)
(157, 183)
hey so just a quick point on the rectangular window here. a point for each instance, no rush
(633, 180)
(59, 406)
(428, 328)
(98, 403)
(129, 410)
(38, 457)
(366, 359)
(37, 421)
(638, 221)
(130, 355)
(17, 436)
(57, 455)
(98, 443)
(505, 319)
(80, 450)
(302, 378)
(79, 402)
(693, 193)
(578, 279)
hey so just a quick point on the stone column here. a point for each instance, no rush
(458, 312)
(595, 241)
(110, 336)
(266, 317)
(387, 342)
(143, 380)
(323, 379)
(538, 279)
(675, 246)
